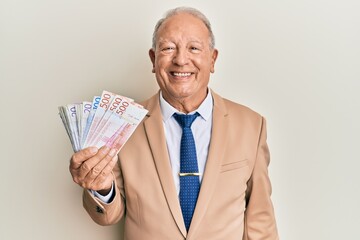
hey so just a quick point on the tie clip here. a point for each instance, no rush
(188, 174)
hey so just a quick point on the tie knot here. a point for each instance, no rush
(185, 121)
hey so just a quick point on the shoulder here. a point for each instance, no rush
(236, 110)
(151, 102)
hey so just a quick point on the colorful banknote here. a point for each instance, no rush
(110, 120)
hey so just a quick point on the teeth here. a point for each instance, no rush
(181, 74)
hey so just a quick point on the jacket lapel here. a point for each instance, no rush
(215, 156)
(155, 134)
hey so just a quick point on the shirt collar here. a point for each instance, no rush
(205, 108)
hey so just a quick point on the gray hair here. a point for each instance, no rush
(192, 11)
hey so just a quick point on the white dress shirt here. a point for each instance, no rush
(201, 129)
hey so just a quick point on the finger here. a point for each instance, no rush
(105, 177)
(99, 167)
(79, 175)
(88, 165)
(78, 158)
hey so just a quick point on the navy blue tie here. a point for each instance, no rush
(189, 172)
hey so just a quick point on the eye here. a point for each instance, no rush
(195, 49)
(168, 49)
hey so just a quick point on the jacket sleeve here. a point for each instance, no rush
(111, 213)
(259, 214)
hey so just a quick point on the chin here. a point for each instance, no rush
(183, 93)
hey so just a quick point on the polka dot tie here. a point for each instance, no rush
(189, 177)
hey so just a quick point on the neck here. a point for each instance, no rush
(186, 104)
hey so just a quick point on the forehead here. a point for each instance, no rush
(184, 26)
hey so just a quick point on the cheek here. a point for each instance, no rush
(162, 61)
(203, 64)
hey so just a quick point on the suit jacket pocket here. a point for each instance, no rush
(234, 165)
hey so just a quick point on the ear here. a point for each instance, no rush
(213, 59)
(152, 58)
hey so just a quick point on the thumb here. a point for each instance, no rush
(81, 156)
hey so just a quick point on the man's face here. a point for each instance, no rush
(183, 60)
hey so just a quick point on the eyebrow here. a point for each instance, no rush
(169, 41)
(196, 41)
(164, 41)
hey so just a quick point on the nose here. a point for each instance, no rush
(181, 57)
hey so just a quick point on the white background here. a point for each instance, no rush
(295, 62)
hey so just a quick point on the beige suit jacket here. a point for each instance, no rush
(234, 199)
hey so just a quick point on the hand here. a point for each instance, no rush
(91, 168)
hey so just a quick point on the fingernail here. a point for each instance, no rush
(93, 150)
(112, 152)
(105, 149)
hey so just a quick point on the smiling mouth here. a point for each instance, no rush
(181, 74)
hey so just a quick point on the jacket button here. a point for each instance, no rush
(99, 209)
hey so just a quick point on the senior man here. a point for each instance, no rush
(197, 166)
